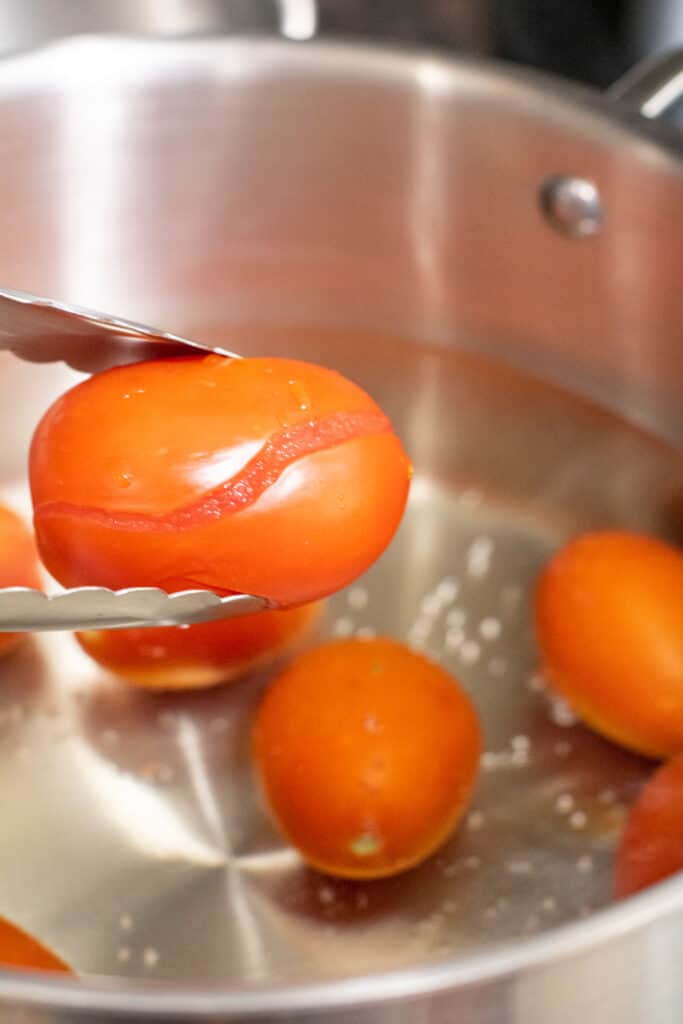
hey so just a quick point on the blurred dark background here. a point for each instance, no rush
(590, 41)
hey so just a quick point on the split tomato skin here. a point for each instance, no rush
(207, 654)
(19, 565)
(367, 754)
(18, 949)
(609, 622)
(266, 476)
(651, 847)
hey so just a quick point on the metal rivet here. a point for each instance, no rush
(572, 206)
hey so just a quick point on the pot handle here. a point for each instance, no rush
(654, 87)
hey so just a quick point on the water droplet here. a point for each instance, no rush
(607, 796)
(520, 867)
(478, 557)
(357, 598)
(548, 905)
(578, 820)
(430, 605)
(126, 922)
(447, 590)
(562, 748)
(366, 633)
(326, 895)
(475, 821)
(150, 957)
(455, 638)
(564, 803)
(561, 713)
(123, 954)
(342, 627)
(490, 628)
(419, 631)
(469, 652)
(300, 395)
(584, 864)
(124, 479)
(456, 617)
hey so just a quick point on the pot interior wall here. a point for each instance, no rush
(245, 184)
(379, 215)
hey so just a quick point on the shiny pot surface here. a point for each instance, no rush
(409, 220)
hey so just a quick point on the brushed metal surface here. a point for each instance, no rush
(361, 200)
(42, 330)
(23, 610)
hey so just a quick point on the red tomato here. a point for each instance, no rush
(609, 616)
(652, 844)
(368, 754)
(18, 563)
(17, 949)
(177, 658)
(268, 476)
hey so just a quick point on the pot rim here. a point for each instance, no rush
(501, 961)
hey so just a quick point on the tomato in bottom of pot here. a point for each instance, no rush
(203, 655)
(367, 753)
(651, 847)
(19, 565)
(18, 949)
(609, 618)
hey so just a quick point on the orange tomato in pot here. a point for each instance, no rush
(178, 658)
(269, 476)
(609, 617)
(19, 565)
(17, 949)
(651, 846)
(367, 753)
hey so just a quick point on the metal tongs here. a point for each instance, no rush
(41, 330)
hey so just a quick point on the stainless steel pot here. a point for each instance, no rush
(421, 223)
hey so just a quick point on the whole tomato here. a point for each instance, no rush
(367, 753)
(192, 657)
(269, 476)
(651, 846)
(19, 566)
(609, 617)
